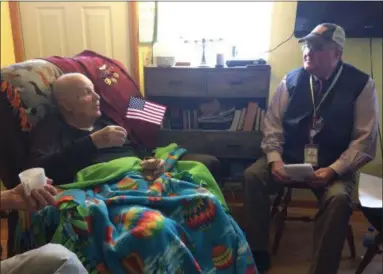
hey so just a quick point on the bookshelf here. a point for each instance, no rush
(216, 111)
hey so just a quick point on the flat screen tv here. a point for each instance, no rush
(360, 19)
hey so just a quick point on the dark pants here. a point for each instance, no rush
(211, 162)
(331, 222)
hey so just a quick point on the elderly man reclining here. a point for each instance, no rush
(48, 259)
(114, 218)
(79, 136)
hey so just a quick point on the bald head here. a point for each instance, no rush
(69, 84)
(75, 97)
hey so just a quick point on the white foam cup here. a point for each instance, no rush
(32, 178)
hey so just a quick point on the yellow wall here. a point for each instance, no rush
(7, 50)
(144, 60)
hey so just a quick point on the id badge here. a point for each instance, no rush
(311, 155)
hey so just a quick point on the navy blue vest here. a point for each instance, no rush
(337, 112)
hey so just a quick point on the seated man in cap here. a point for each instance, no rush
(324, 113)
(48, 259)
(79, 136)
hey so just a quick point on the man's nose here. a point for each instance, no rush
(308, 51)
(96, 96)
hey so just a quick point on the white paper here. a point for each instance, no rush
(370, 191)
(299, 172)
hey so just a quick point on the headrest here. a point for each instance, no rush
(27, 87)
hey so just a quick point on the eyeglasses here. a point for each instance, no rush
(317, 47)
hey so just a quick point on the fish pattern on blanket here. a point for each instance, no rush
(171, 225)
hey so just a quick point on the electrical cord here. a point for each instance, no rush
(281, 43)
(372, 76)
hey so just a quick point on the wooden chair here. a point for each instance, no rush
(279, 213)
(370, 254)
(374, 216)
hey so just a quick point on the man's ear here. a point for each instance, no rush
(339, 54)
(65, 105)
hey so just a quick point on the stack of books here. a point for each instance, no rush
(249, 118)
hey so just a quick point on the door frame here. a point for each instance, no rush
(14, 10)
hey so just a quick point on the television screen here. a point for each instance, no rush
(360, 19)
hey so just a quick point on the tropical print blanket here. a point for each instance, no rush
(126, 224)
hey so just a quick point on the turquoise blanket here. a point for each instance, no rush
(126, 224)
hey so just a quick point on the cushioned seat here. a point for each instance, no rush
(25, 98)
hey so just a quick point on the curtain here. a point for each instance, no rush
(147, 16)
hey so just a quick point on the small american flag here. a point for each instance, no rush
(140, 109)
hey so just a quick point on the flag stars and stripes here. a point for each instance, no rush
(140, 109)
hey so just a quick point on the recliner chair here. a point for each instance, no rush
(24, 101)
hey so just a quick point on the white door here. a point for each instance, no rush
(67, 28)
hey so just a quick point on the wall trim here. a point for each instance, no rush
(134, 40)
(14, 12)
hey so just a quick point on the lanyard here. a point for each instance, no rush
(327, 92)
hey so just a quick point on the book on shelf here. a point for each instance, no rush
(249, 118)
